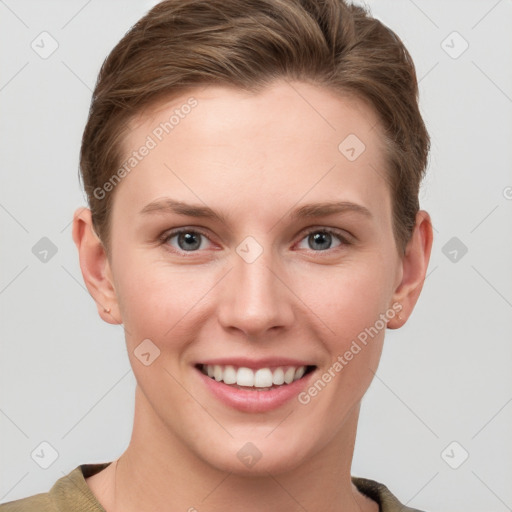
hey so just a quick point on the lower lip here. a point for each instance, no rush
(254, 401)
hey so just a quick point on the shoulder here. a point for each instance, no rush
(70, 492)
(36, 503)
(378, 492)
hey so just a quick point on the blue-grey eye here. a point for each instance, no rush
(322, 239)
(187, 240)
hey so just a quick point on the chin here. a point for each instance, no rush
(253, 458)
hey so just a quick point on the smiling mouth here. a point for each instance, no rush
(262, 379)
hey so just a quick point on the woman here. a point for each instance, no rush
(252, 170)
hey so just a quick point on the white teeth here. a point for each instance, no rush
(289, 374)
(229, 375)
(245, 377)
(278, 377)
(217, 372)
(263, 378)
(299, 372)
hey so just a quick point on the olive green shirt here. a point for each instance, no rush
(72, 494)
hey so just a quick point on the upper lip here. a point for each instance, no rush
(268, 362)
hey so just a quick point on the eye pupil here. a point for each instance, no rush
(190, 239)
(321, 237)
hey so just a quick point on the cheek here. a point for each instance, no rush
(154, 297)
(350, 308)
(347, 298)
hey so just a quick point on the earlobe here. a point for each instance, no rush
(95, 266)
(414, 269)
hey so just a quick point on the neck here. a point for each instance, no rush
(157, 472)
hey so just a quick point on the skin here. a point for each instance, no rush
(255, 158)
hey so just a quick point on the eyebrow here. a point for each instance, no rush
(168, 205)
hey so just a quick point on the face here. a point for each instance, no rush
(251, 283)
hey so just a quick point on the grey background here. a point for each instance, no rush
(65, 378)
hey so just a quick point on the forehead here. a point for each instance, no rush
(262, 150)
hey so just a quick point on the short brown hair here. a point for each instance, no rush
(180, 44)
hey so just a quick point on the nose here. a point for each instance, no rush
(255, 297)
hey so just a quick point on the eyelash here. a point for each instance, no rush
(165, 237)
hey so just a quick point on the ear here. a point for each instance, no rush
(414, 265)
(95, 266)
